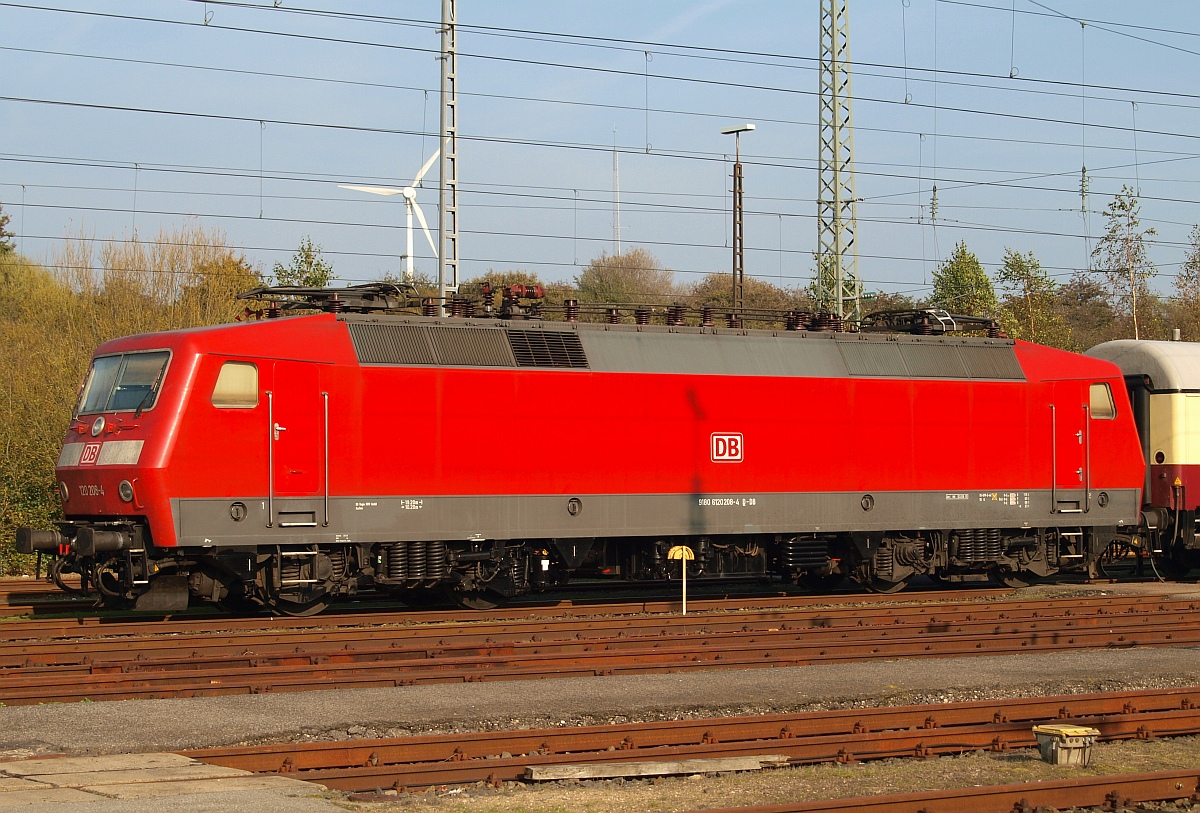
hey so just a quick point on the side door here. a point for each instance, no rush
(1070, 450)
(297, 430)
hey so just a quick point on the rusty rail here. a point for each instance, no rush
(1116, 792)
(298, 660)
(845, 736)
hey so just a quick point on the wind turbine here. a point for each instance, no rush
(410, 208)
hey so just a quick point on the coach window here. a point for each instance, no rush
(1102, 406)
(237, 386)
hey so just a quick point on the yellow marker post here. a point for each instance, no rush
(685, 555)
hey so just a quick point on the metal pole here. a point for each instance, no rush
(839, 288)
(448, 162)
(684, 563)
(739, 266)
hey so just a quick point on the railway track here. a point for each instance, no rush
(1108, 793)
(844, 736)
(38, 598)
(34, 596)
(370, 613)
(109, 662)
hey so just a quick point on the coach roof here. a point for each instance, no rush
(1171, 366)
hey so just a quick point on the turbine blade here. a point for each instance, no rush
(425, 168)
(425, 228)
(374, 190)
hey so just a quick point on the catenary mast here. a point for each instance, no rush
(839, 289)
(448, 162)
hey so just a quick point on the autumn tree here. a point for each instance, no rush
(1085, 309)
(308, 268)
(1029, 307)
(716, 290)
(53, 317)
(1122, 255)
(6, 244)
(960, 285)
(633, 276)
(1187, 289)
(883, 301)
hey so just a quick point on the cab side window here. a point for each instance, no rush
(237, 386)
(1101, 401)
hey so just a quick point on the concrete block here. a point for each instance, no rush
(112, 762)
(8, 783)
(612, 770)
(44, 795)
(233, 784)
(139, 775)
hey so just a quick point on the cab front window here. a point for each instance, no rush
(129, 381)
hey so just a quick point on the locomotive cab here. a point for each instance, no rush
(107, 478)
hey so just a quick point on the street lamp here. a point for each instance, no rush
(739, 267)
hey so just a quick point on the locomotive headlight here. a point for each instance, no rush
(125, 491)
(63, 491)
(97, 426)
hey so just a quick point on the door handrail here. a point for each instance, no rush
(1087, 458)
(325, 400)
(270, 459)
(1053, 460)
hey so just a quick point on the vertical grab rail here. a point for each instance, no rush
(1087, 458)
(1053, 460)
(270, 459)
(325, 402)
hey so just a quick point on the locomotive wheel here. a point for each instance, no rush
(1012, 578)
(1174, 563)
(878, 585)
(822, 583)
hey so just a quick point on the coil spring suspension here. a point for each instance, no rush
(416, 559)
(436, 566)
(885, 563)
(395, 563)
(340, 563)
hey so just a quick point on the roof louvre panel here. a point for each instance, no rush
(541, 348)
(470, 346)
(376, 343)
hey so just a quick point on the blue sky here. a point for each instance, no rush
(137, 115)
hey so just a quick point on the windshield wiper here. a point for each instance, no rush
(137, 413)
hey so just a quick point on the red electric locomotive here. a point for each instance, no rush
(283, 462)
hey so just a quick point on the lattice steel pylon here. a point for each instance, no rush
(448, 163)
(839, 289)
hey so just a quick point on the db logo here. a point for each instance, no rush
(726, 447)
(91, 453)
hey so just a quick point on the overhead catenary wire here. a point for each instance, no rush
(881, 200)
